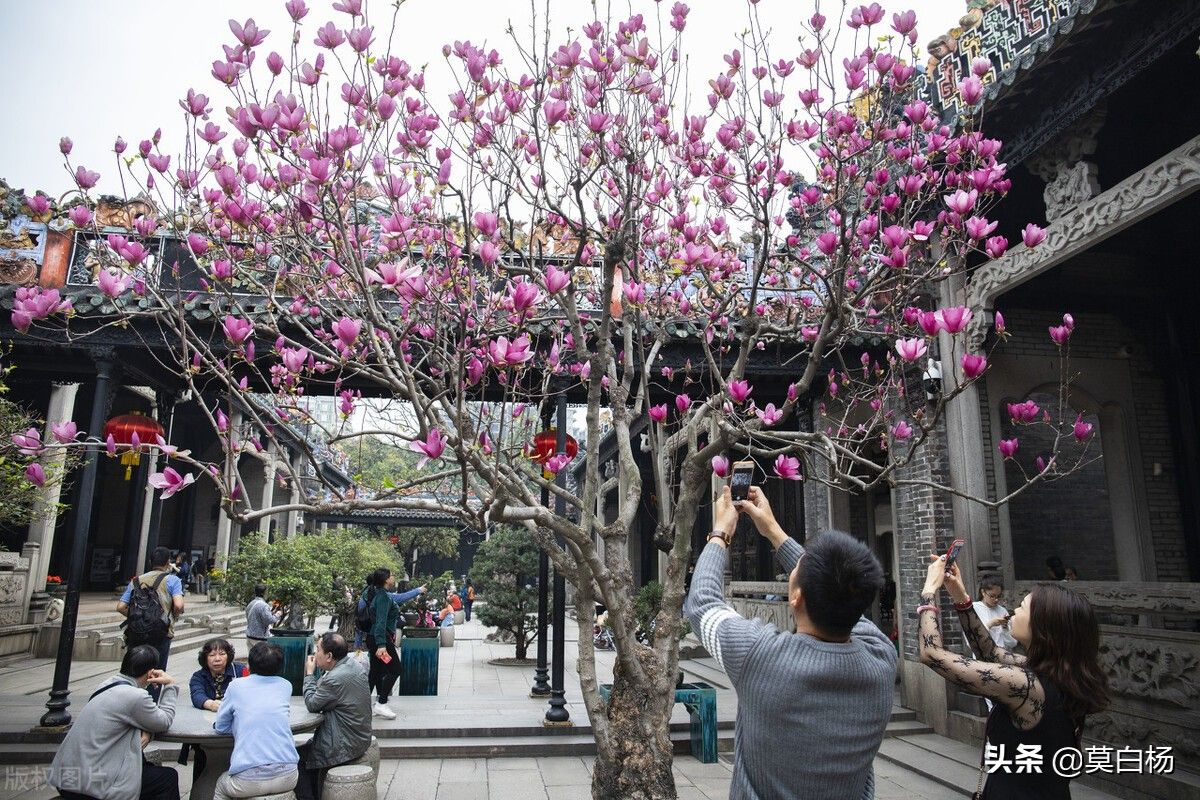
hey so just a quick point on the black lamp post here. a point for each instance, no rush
(557, 713)
(541, 674)
(57, 714)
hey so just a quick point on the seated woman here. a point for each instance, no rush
(217, 669)
(255, 712)
(1041, 698)
(208, 685)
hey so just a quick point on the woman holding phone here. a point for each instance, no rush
(992, 614)
(1042, 698)
(381, 640)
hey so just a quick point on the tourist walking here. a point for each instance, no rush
(260, 617)
(399, 598)
(468, 600)
(150, 604)
(184, 570)
(1041, 699)
(255, 711)
(812, 705)
(101, 757)
(342, 695)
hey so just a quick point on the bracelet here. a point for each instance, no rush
(927, 607)
(965, 605)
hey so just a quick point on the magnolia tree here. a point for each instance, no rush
(559, 224)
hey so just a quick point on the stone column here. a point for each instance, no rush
(268, 492)
(224, 523)
(293, 515)
(964, 445)
(41, 531)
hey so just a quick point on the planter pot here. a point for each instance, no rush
(460, 617)
(447, 636)
(421, 633)
(297, 646)
(410, 619)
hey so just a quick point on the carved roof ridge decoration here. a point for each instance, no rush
(1142, 194)
(1009, 34)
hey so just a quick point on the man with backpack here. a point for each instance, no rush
(151, 603)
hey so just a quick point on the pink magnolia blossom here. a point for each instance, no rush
(682, 403)
(1000, 323)
(1082, 429)
(170, 481)
(430, 449)
(346, 330)
(1068, 322)
(1032, 236)
(973, 365)
(29, 443)
(1060, 334)
(556, 279)
(80, 216)
(525, 296)
(222, 421)
(787, 467)
(555, 463)
(720, 466)
(85, 178)
(170, 450)
(931, 322)
(1008, 447)
(770, 415)
(1025, 412)
(971, 90)
(961, 202)
(658, 413)
(955, 318)
(237, 330)
(36, 474)
(902, 430)
(504, 353)
(110, 445)
(740, 390)
(64, 432)
(112, 282)
(911, 349)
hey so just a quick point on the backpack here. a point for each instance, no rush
(364, 618)
(148, 622)
(470, 594)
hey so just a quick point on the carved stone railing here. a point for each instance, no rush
(749, 598)
(1153, 667)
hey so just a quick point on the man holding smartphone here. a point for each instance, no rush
(812, 705)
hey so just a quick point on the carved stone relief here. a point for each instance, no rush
(1140, 195)
(12, 589)
(1152, 670)
(11, 616)
(1070, 178)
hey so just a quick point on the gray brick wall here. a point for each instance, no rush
(1101, 336)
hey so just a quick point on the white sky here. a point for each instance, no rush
(95, 70)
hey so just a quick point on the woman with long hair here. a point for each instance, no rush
(1042, 698)
(381, 639)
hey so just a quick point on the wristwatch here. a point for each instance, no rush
(726, 537)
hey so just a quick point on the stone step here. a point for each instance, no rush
(943, 769)
(39, 748)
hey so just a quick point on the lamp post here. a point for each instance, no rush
(57, 715)
(541, 676)
(557, 714)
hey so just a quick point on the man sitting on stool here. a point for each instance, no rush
(343, 696)
(102, 754)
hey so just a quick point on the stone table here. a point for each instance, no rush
(195, 726)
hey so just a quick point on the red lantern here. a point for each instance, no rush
(545, 445)
(122, 430)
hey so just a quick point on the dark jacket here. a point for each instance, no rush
(343, 697)
(205, 688)
(387, 614)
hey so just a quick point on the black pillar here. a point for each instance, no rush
(166, 409)
(57, 714)
(133, 519)
(541, 674)
(557, 713)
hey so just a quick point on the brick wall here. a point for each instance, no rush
(1102, 336)
(924, 524)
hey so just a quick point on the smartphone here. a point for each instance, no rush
(386, 658)
(743, 477)
(952, 554)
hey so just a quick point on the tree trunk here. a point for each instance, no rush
(633, 760)
(522, 642)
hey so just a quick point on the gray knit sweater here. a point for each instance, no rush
(811, 714)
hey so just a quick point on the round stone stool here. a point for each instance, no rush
(350, 782)
(283, 796)
(370, 758)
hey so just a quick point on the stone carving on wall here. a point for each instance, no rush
(12, 588)
(774, 611)
(1149, 669)
(1128, 731)
(11, 616)
(1140, 195)
(1070, 178)
(113, 212)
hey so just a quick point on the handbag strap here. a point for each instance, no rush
(982, 759)
(102, 690)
